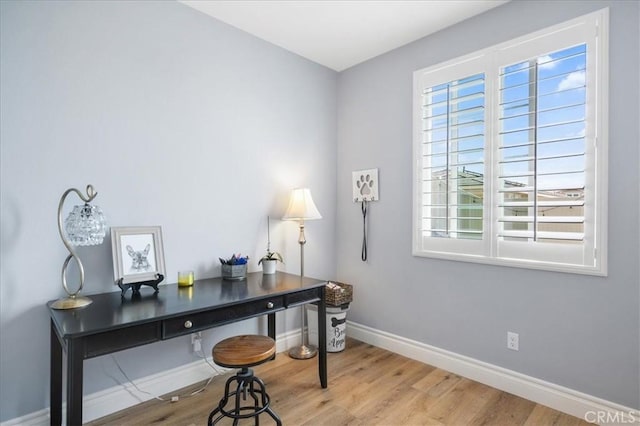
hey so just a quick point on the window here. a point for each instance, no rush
(510, 152)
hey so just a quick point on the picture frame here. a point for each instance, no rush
(138, 254)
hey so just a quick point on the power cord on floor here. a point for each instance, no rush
(132, 382)
(200, 354)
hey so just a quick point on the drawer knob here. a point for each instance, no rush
(270, 305)
(188, 324)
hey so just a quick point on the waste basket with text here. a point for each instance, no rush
(338, 296)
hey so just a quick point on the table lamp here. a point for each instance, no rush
(301, 208)
(85, 226)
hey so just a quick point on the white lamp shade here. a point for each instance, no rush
(301, 206)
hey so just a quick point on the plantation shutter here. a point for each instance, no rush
(453, 158)
(541, 146)
(510, 152)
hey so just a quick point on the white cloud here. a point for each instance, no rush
(575, 79)
(546, 62)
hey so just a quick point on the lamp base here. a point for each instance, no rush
(71, 302)
(303, 352)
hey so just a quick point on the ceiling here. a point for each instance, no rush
(340, 34)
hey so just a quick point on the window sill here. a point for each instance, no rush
(516, 263)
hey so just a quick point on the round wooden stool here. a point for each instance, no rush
(244, 352)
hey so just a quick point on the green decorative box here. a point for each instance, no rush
(234, 272)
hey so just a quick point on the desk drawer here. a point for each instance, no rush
(304, 296)
(117, 340)
(191, 323)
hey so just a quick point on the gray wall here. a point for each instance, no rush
(576, 331)
(177, 120)
(181, 121)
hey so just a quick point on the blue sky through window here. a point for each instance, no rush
(543, 111)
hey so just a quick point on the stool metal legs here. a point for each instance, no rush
(246, 383)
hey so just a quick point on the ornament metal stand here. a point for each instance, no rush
(305, 350)
(135, 287)
(74, 300)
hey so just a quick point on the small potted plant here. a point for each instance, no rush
(234, 268)
(269, 260)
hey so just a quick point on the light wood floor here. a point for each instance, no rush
(367, 386)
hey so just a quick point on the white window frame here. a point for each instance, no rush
(590, 257)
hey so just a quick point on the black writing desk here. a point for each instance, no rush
(112, 324)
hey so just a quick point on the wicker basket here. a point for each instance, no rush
(338, 294)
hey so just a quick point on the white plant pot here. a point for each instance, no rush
(269, 267)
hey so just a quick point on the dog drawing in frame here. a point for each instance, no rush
(139, 261)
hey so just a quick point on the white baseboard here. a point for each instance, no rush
(116, 398)
(581, 405)
(563, 399)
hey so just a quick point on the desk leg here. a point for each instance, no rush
(55, 380)
(322, 339)
(74, 381)
(271, 325)
(271, 328)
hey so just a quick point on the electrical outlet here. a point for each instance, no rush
(513, 341)
(196, 341)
